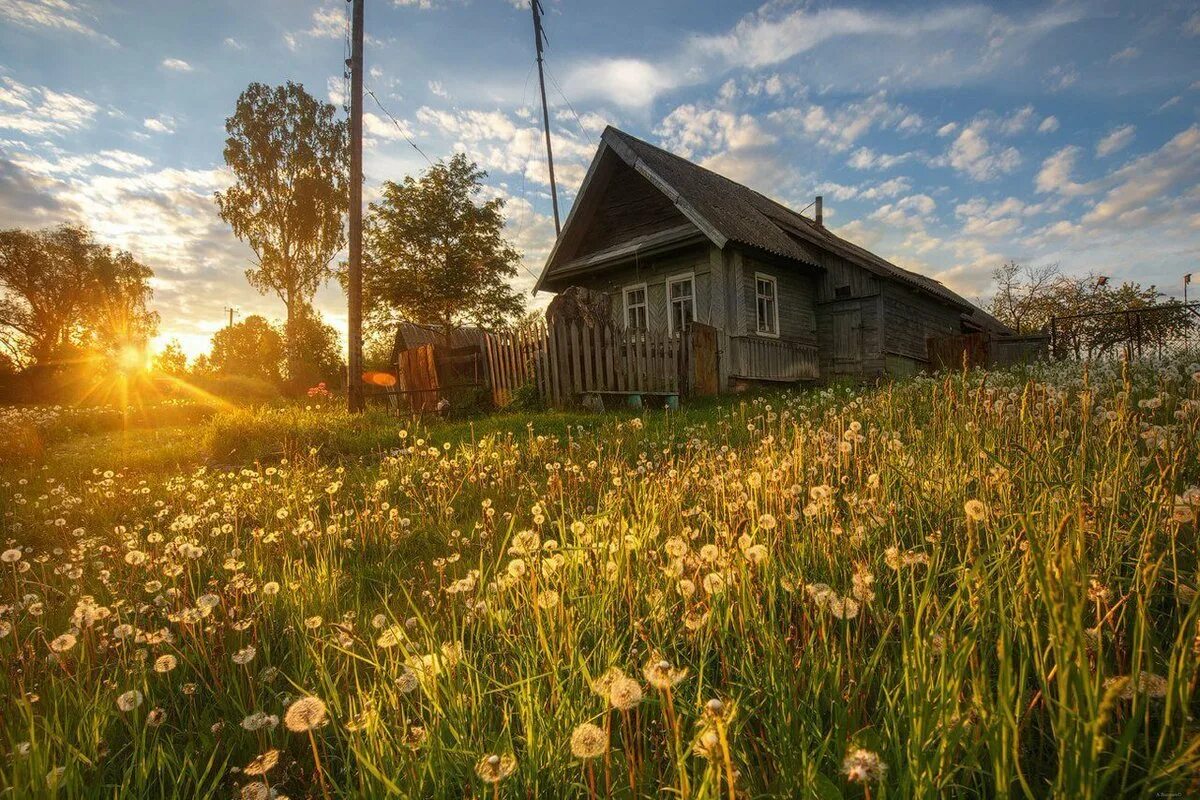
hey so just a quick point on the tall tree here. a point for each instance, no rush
(288, 154)
(314, 352)
(61, 291)
(435, 252)
(252, 348)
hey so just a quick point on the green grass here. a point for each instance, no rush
(963, 577)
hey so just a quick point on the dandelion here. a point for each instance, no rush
(10, 556)
(1147, 684)
(63, 643)
(588, 741)
(604, 683)
(863, 766)
(661, 675)
(976, 510)
(165, 663)
(263, 763)
(245, 655)
(305, 714)
(128, 701)
(625, 693)
(495, 768)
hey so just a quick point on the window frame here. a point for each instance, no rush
(645, 304)
(771, 279)
(688, 277)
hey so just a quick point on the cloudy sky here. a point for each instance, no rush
(948, 136)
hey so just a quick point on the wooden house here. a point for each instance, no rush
(671, 243)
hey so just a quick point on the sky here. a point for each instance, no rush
(947, 137)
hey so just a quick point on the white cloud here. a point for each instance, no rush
(972, 154)
(1048, 125)
(327, 22)
(1156, 176)
(1055, 174)
(36, 110)
(163, 123)
(61, 15)
(1015, 122)
(691, 129)
(1115, 140)
(838, 128)
(234, 44)
(621, 81)
(947, 129)
(1192, 26)
(866, 158)
(436, 88)
(1128, 54)
(1059, 78)
(176, 65)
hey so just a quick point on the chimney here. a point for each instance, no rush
(819, 216)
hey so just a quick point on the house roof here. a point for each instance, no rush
(727, 211)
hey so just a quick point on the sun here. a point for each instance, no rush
(133, 360)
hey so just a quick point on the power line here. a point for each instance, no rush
(582, 129)
(399, 127)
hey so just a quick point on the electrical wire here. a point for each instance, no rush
(399, 127)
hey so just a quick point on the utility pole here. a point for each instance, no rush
(354, 366)
(231, 311)
(538, 35)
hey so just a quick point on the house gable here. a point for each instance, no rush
(629, 207)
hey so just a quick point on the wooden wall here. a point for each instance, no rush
(629, 207)
(911, 318)
(797, 294)
(654, 272)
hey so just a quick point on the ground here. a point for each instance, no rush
(969, 585)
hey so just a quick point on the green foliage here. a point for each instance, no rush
(976, 585)
(313, 351)
(251, 348)
(436, 255)
(63, 296)
(288, 154)
(171, 360)
(526, 398)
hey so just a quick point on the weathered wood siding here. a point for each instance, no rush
(630, 206)
(796, 289)
(909, 319)
(848, 320)
(654, 272)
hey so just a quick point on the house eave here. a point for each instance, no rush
(626, 252)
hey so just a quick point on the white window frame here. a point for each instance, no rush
(689, 277)
(645, 304)
(762, 276)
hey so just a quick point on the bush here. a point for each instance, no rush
(526, 398)
(241, 389)
(248, 435)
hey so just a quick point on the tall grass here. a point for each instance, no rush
(976, 585)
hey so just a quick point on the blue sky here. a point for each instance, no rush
(948, 137)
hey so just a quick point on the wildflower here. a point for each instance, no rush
(708, 745)
(391, 637)
(863, 766)
(156, 717)
(625, 693)
(661, 675)
(10, 556)
(767, 522)
(603, 684)
(165, 663)
(128, 701)
(843, 607)
(305, 714)
(63, 643)
(263, 763)
(245, 655)
(495, 768)
(260, 720)
(976, 510)
(548, 599)
(1147, 683)
(588, 741)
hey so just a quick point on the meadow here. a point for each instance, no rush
(968, 585)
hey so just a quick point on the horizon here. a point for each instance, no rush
(1045, 133)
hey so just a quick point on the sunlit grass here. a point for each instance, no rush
(967, 586)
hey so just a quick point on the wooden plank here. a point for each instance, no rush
(576, 365)
(552, 364)
(589, 377)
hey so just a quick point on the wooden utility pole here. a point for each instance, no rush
(538, 35)
(354, 284)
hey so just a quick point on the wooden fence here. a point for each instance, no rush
(513, 358)
(567, 360)
(772, 359)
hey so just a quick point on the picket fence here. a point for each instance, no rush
(566, 360)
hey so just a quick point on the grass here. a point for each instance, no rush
(974, 585)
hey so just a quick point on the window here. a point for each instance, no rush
(842, 292)
(635, 307)
(681, 302)
(766, 304)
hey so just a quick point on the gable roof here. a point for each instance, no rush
(726, 211)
